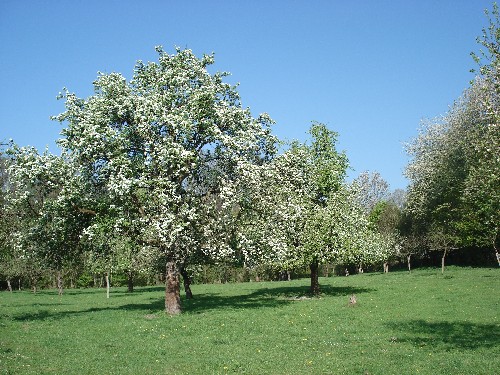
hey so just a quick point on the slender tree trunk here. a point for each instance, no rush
(289, 275)
(314, 277)
(59, 283)
(386, 267)
(19, 283)
(130, 281)
(442, 260)
(172, 289)
(497, 254)
(408, 258)
(107, 285)
(9, 285)
(33, 284)
(187, 283)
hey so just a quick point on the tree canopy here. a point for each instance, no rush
(454, 170)
(148, 143)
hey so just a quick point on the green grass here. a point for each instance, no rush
(419, 323)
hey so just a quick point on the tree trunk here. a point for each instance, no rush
(314, 277)
(327, 270)
(59, 283)
(107, 284)
(497, 254)
(409, 262)
(130, 281)
(187, 283)
(386, 267)
(442, 261)
(33, 284)
(172, 289)
(9, 285)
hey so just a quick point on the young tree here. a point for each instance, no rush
(384, 219)
(143, 141)
(413, 240)
(48, 227)
(303, 213)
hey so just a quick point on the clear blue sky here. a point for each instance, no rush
(370, 70)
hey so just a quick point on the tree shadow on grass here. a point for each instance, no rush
(448, 335)
(258, 299)
(264, 298)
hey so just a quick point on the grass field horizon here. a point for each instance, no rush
(418, 323)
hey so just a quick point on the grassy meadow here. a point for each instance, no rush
(418, 323)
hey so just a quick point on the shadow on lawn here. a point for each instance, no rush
(448, 335)
(262, 298)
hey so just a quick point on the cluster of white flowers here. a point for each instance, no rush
(166, 150)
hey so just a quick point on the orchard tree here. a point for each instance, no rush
(437, 173)
(274, 201)
(382, 211)
(145, 141)
(303, 213)
(384, 219)
(48, 227)
(455, 167)
(8, 267)
(413, 239)
(481, 194)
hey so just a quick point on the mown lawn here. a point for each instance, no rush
(419, 323)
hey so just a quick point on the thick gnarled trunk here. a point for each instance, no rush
(314, 277)
(172, 289)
